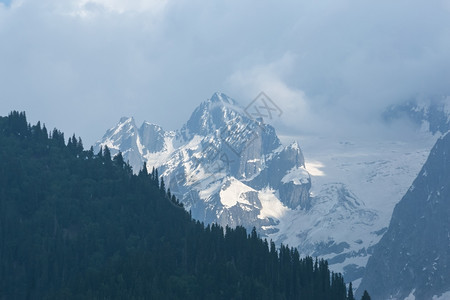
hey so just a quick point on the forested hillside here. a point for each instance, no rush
(75, 224)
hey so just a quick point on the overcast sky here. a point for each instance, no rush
(80, 65)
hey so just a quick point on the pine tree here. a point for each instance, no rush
(80, 147)
(72, 144)
(118, 160)
(100, 152)
(365, 296)
(107, 155)
(152, 175)
(18, 123)
(144, 172)
(58, 137)
(44, 131)
(350, 292)
(90, 153)
(162, 187)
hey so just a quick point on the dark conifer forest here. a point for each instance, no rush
(75, 224)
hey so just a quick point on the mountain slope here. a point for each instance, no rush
(75, 225)
(413, 257)
(231, 169)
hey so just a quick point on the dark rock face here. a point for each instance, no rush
(413, 256)
(293, 189)
(295, 195)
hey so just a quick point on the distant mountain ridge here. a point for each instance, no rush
(432, 113)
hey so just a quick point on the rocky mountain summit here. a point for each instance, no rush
(225, 166)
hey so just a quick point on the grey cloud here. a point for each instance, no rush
(348, 58)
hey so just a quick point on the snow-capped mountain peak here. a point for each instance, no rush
(126, 120)
(223, 164)
(218, 97)
(135, 143)
(212, 115)
(121, 134)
